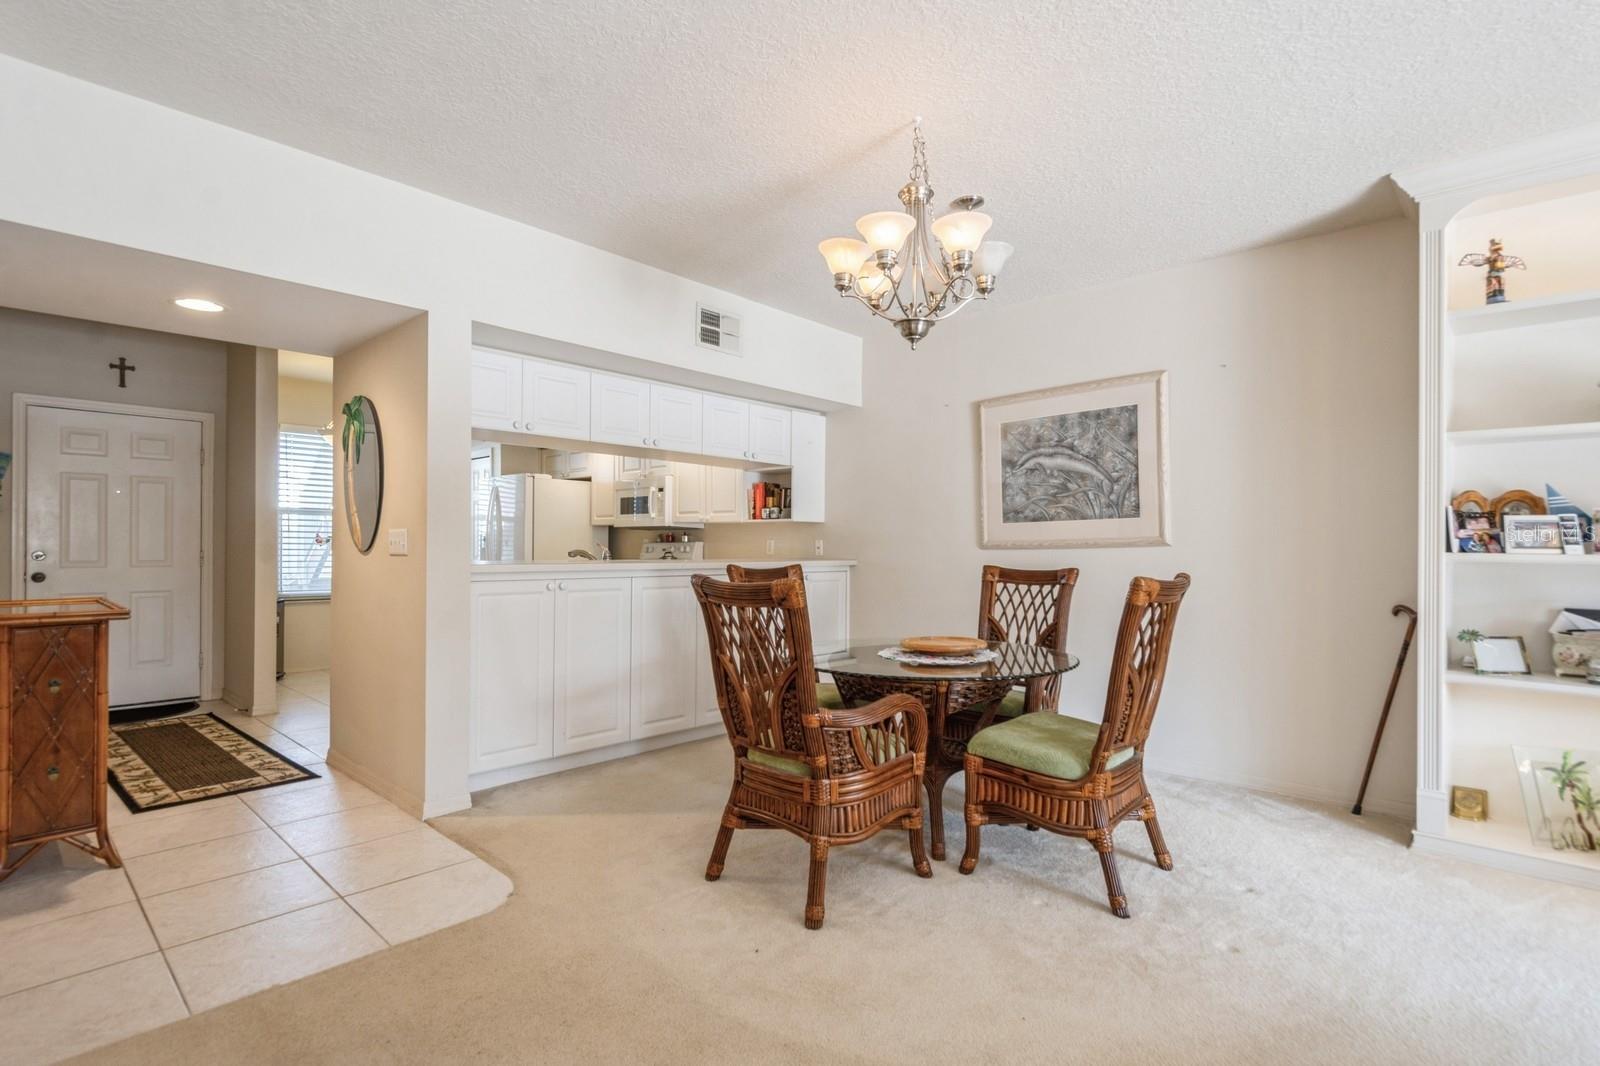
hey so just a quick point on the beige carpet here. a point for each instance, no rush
(1289, 933)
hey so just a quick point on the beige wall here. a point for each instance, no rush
(737, 540)
(304, 403)
(249, 515)
(1293, 428)
(51, 356)
(379, 601)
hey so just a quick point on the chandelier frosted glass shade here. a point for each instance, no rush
(885, 231)
(961, 231)
(911, 270)
(844, 254)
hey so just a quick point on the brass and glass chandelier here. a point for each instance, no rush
(913, 272)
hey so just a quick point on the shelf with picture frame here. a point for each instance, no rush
(1507, 401)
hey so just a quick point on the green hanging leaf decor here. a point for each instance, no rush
(355, 424)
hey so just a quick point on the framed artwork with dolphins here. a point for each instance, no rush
(1077, 466)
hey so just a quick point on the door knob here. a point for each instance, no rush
(36, 577)
(36, 555)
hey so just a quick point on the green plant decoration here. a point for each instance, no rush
(355, 423)
(1571, 780)
(1469, 636)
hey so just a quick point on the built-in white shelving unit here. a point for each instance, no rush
(1508, 400)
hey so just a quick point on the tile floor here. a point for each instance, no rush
(223, 898)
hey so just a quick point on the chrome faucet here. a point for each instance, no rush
(579, 553)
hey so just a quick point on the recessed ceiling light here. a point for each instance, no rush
(194, 303)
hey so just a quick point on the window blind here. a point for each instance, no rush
(305, 513)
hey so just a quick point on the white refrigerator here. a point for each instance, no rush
(524, 518)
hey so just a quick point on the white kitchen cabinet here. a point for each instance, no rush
(705, 687)
(592, 651)
(619, 410)
(573, 464)
(555, 400)
(675, 418)
(497, 390)
(689, 486)
(665, 677)
(725, 426)
(808, 466)
(512, 674)
(602, 498)
(769, 433)
(724, 494)
(828, 604)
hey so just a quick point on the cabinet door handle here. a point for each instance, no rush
(549, 586)
(563, 586)
(657, 442)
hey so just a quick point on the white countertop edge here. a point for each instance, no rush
(619, 567)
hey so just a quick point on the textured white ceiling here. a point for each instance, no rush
(721, 139)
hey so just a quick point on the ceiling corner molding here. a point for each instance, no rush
(1443, 189)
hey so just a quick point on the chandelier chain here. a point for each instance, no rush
(919, 157)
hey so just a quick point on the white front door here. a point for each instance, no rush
(113, 510)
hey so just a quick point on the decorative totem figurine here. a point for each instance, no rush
(1494, 283)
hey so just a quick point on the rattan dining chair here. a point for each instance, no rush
(1070, 776)
(830, 777)
(827, 693)
(1021, 607)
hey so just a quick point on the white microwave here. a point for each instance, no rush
(650, 501)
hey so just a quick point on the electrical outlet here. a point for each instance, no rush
(817, 550)
(397, 542)
(772, 546)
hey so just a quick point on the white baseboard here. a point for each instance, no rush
(1401, 809)
(1510, 861)
(495, 778)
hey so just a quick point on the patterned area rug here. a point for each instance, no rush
(169, 761)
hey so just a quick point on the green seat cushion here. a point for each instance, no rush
(792, 767)
(1014, 703)
(828, 698)
(1045, 743)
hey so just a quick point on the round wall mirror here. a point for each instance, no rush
(362, 442)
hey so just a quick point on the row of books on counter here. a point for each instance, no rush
(768, 500)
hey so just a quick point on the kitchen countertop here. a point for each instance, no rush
(618, 566)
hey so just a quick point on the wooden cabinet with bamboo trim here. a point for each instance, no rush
(54, 721)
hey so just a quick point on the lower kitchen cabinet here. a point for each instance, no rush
(513, 674)
(568, 664)
(669, 657)
(593, 635)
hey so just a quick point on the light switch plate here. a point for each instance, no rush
(397, 542)
(818, 548)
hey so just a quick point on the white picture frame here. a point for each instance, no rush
(1502, 656)
(1531, 534)
(1081, 466)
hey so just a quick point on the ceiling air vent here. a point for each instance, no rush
(715, 330)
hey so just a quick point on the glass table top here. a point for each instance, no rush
(1015, 662)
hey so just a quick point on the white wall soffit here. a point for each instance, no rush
(85, 160)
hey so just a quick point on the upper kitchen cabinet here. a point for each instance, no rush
(555, 400)
(769, 434)
(726, 426)
(619, 410)
(674, 419)
(497, 390)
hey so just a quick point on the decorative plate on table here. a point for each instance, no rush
(943, 645)
(917, 658)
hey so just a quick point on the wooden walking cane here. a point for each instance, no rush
(1388, 701)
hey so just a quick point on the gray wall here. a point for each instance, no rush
(68, 357)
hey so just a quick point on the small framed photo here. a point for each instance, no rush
(1470, 804)
(1501, 655)
(1571, 534)
(1531, 534)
